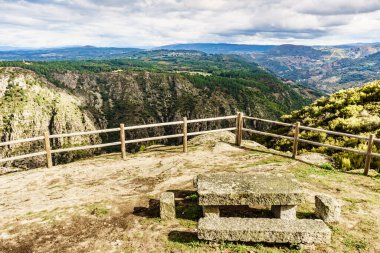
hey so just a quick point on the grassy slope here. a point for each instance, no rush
(354, 111)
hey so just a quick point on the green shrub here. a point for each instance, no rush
(327, 166)
(346, 163)
(142, 148)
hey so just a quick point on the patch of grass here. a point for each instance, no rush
(149, 221)
(237, 247)
(97, 210)
(193, 197)
(188, 223)
(186, 241)
(327, 166)
(269, 160)
(305, 215)
(354, 243)
(189, 212)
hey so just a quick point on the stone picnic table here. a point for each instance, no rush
(281, 192)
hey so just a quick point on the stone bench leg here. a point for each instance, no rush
(211, 211)
(167, 206)
(284, 212)
(327, 208)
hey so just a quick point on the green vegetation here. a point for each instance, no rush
(251, 86)
(353, 111)
(97, 210)
(327, 166)
(149, 86)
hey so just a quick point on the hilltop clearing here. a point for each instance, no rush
(105, 204)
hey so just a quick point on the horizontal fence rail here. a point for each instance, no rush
(297, 127)
(238, 128)
(47, 137)
(21, 141)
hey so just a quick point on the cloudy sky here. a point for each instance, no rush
(149, 23)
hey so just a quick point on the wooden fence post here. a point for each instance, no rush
(122, 141)
(296, 137)
(239, 127)
(184, 142)
(369, 152)
(49, 159)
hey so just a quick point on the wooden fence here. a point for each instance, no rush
(238, 128)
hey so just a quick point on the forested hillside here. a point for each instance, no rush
(29, 106)
(157, 86)
(354, 111)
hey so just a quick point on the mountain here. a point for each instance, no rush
(68, 53)
(157, 86)
(325, 68)
(354, 111)
(218, 48)
(6, 48)
(295, 50)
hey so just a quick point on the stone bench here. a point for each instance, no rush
(281, 192)
(301, 231)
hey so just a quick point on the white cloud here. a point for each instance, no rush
(44, 23)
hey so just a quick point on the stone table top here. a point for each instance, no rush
(257, 189)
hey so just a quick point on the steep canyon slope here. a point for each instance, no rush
(81, 96)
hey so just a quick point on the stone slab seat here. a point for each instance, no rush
(235, 189)
(301, 231)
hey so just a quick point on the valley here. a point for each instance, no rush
(159, 86)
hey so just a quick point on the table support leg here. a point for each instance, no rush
(211, 211)
(284, 212)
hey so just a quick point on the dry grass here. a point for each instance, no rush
(124, 217)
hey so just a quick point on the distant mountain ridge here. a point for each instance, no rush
(68, 53)
(326, 68)
(296, 50)
(218, 48)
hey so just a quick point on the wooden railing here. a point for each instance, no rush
(238, 128)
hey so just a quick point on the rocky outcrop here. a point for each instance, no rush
(86, 100)
(29, 106)
(145, 97)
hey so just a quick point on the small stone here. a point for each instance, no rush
(167, 206)
(284, 212)
(327, 208)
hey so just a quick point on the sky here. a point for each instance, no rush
(151, 23)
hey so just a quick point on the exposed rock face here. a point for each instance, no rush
(89, 100)
(29, 106)
(144, 97)
(159, 97)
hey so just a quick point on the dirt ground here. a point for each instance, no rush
(106, 204)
